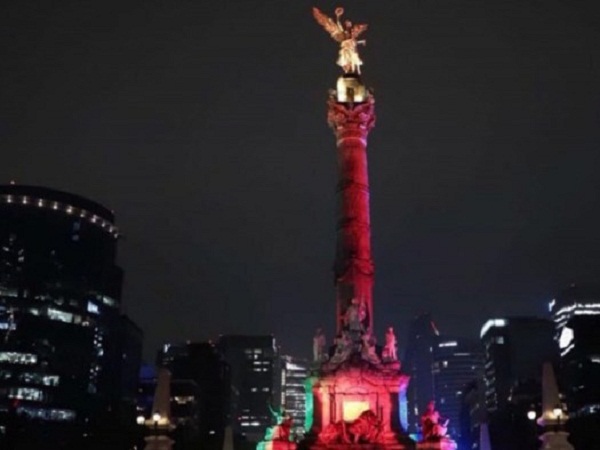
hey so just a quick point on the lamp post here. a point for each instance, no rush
(156, 419)
(141, 432)
(558, 412)
(532, 415)
(153, 425)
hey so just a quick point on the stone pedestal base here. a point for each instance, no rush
(555, 440)
(391, 446)
(160, 442)
(390, 441)
(442, 444)
(276, 445)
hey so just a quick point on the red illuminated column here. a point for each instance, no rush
(351, 123)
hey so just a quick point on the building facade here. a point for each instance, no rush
(255, 382)
(67, 355)
(294, 374)
(457, 361)
(515, 350)
(418, 361)
(200, 385)
(576, 315)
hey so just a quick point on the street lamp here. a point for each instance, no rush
(558, 412)
(531, 415)
(156, 418)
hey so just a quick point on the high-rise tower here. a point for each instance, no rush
(68, 357)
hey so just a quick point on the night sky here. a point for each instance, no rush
(202, 124)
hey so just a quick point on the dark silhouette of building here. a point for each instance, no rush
(417, 363)
(472, 413)
(515, 350)
(146, 387)
(456, 362)
(255, 382)
(68, 358)
(576, 315)
(200, 383)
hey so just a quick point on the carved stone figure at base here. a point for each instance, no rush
(431, 427)
(390, 349)
(365, 429)
(281, 431)
(368, 350)
(343, 348)
(319, 344)
(354, 316)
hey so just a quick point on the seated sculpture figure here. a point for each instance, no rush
(368, 349)
(354, 316)
(365, 429)
(431, 427)
(319, 344)
(281, 431)
(343, 349)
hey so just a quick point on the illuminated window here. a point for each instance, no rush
(18, 358)
(59, 415)
(8, 326)
(61, 316)
(566, 337)
(50, 380)
(109, 301)
(26, 393)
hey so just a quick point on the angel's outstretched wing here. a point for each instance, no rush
(329, 24)
(358, 29)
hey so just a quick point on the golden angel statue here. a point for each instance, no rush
(347, 35)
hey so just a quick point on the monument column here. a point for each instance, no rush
(351, 115)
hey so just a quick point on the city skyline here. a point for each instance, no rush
(203, 127)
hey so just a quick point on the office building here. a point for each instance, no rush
(515, 349)
(200, 383)
(456, 362)
(255, 382)
(68, 357)
(417, 363)
(294, 372)
(576, 315)
(473, 413)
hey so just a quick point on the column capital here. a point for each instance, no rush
(351, 120)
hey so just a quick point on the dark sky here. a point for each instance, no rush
(202, 124)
